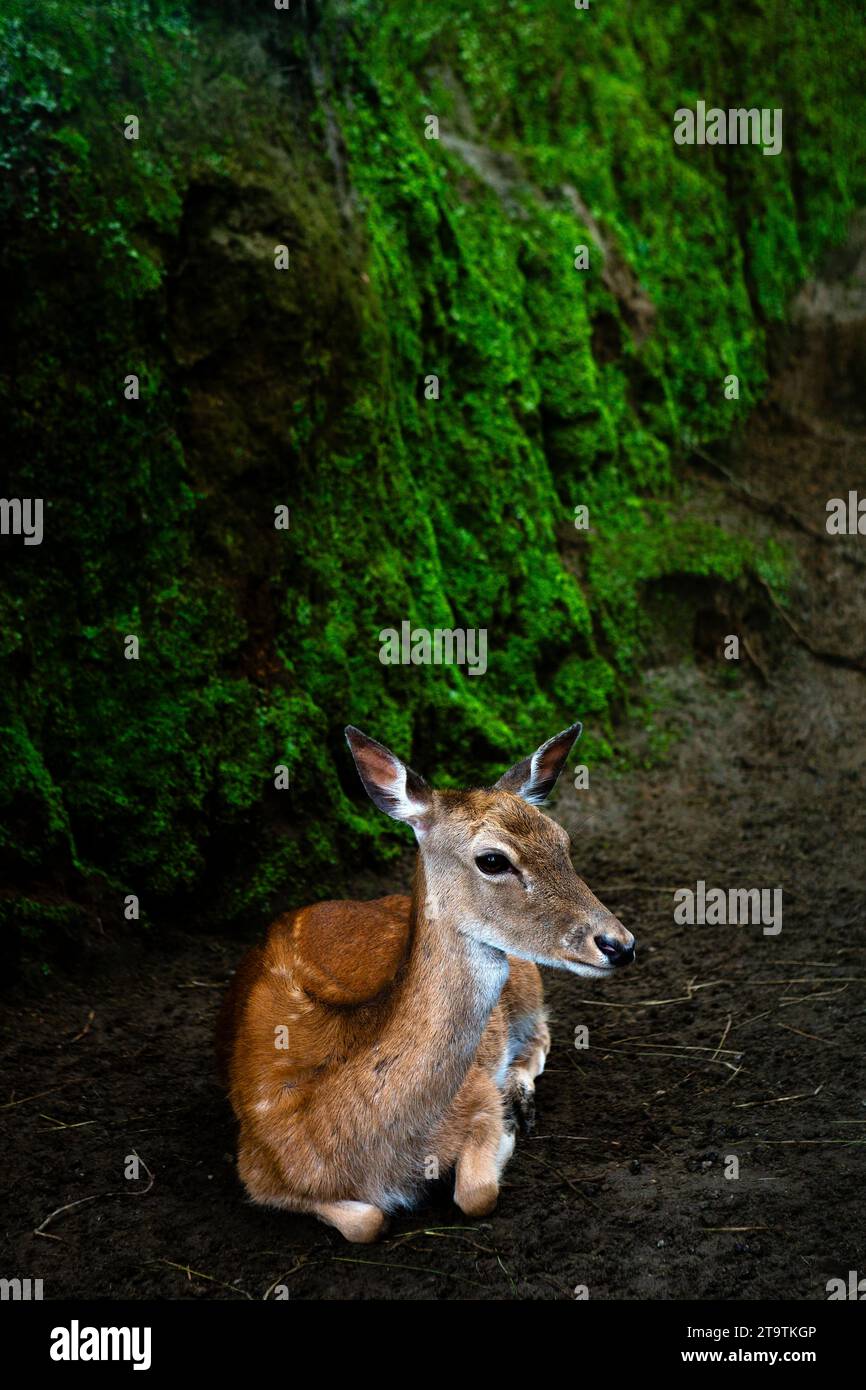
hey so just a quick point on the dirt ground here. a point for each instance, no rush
(720, 1041)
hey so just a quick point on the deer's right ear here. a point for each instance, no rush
(390, 784)
(534, 778)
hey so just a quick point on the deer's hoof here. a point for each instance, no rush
(521, 1100)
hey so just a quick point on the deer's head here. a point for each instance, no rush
(495, 864)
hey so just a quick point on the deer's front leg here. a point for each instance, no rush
(485, 1147)
(520, 1077)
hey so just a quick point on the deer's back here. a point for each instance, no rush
(344, 955)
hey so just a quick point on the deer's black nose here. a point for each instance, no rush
(616, 952)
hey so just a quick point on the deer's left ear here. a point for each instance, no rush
(390, 784)
(534, 778)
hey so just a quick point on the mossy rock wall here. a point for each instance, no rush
(408, 257)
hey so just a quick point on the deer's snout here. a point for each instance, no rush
(596, 940)
(617, 950)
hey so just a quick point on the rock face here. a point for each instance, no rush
(430, 387)
(828, 325)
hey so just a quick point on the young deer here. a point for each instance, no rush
(369, 1046)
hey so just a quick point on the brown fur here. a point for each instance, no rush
(369, 1046)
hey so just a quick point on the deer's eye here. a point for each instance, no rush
(493, 863)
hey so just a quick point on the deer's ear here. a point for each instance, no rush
(534, 778)
(390, 784)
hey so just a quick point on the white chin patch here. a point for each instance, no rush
(592, 972)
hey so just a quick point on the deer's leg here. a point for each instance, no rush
(359, 1222)
(528, 1041)
(486, 1147)
(519, 1089)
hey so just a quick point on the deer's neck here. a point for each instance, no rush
(440, 1006)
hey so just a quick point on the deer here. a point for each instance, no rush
(368, 1047)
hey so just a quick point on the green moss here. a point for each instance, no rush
(259, 388)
